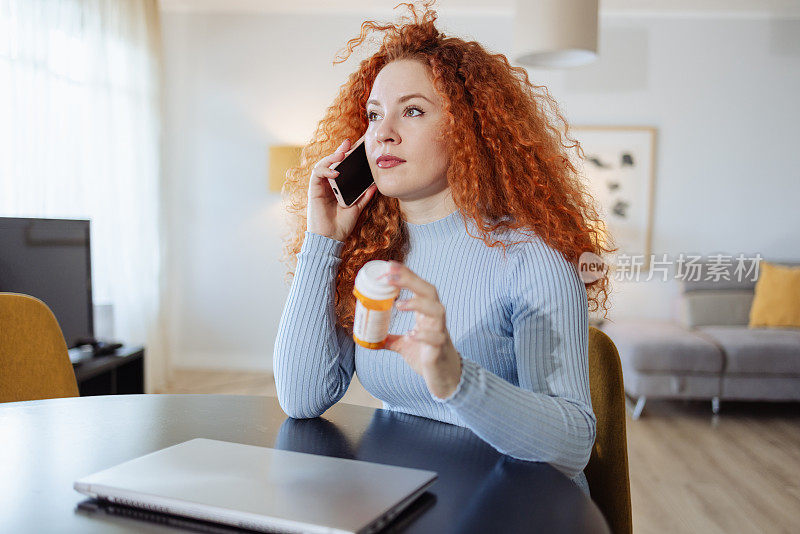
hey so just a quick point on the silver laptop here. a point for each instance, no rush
(261, 488)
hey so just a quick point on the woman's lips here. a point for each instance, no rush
(388, 163)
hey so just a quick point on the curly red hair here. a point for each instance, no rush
(510, 167)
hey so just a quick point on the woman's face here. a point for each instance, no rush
(406, 128)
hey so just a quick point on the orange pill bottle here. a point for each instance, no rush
(374, 300)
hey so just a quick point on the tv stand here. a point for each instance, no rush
(118, 373)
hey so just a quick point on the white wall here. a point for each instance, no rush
(721, 91)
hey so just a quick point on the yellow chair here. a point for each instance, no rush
(607, 471)
(34, 363)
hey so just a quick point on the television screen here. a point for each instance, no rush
(50, 259)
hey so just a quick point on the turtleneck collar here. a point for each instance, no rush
(436, 230)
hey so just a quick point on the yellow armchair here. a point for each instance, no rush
(34, 362)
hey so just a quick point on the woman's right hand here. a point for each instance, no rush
(324, 215)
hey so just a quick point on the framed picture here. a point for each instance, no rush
(619, 168)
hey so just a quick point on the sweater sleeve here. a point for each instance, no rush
(548, 417)
(313, 361)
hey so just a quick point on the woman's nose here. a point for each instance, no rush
(386, 133)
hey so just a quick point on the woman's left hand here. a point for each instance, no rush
(427, 348)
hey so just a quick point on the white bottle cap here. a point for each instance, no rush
(371, 281)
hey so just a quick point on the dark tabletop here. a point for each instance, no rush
(48, 444)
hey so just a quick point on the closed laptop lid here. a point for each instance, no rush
(260, 487)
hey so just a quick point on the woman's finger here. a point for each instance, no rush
(434, 338)
(318, 183)
(366, 197)
(431, 308)
(401, 276)
(430, 323)
(324, 174)
(327, 161)
(338, 155)
(393, 342)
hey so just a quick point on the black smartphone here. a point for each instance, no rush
(354, 178)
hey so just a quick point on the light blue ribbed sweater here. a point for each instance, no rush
(519, 321)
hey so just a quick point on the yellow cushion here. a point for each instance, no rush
(777, 297)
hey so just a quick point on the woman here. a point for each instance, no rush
(485, 219)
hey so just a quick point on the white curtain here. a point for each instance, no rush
(80, 137)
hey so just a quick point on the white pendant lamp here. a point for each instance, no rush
(555, 33)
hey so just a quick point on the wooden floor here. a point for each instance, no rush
(690, 471)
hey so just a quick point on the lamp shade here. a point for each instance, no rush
(281, 159)
(555, 33)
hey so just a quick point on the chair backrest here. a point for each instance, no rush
(34, 363)
(607, 471)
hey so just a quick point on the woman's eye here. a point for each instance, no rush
(371, 113)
